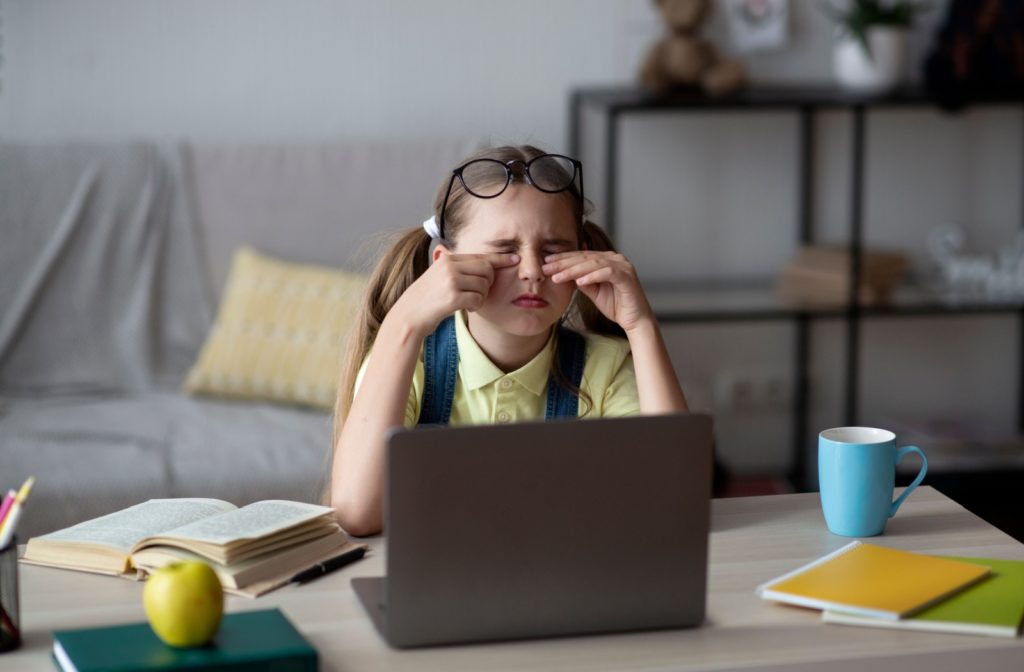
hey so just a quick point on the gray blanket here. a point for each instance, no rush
(101, 286)
(104, 305)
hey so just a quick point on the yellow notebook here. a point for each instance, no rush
(873, 581)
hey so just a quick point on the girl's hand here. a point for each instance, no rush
(608, 279)
(453, 282)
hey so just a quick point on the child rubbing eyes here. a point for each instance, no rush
(507, 306)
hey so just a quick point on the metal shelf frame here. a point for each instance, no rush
(805, 102)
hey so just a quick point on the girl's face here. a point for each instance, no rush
(533, 224)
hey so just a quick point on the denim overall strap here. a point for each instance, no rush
(572, 348)
(440, 366)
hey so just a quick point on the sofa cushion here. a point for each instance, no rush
(93, 455)
(279, 333)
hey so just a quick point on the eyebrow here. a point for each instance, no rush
(505, 242)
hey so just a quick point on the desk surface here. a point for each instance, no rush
(752, 540)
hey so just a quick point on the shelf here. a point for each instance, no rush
(757, 301)
(638, 99)
(736, 302)
(957, 444)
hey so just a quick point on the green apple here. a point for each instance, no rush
(184, 602)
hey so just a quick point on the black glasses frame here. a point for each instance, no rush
(577, 167)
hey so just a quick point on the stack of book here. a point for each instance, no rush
(821, 274)
(253, 549)
(868, 585)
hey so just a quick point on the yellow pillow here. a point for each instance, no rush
(279, 333)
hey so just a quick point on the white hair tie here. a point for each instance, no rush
(430, 226)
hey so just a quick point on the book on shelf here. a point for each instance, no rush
(993, 607)
(821, 274)
(810, 287)
(874, 263)
(248, 640)
(253, 549)
(874, 581)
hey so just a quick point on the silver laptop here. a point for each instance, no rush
(542, 529)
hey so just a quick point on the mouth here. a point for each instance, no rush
(530, 301)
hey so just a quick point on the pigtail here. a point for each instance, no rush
(399, 267)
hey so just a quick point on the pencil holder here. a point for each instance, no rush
(10, 611)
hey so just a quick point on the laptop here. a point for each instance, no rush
(543, 529)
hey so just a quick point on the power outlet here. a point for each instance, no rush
(753, 392)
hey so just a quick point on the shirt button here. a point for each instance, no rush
(506, 383)
(504, 416)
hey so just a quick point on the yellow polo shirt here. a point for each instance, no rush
(484, 394)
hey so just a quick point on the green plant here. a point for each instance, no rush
(860, 15)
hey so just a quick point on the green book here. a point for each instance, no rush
(994, 607)
(248, 640)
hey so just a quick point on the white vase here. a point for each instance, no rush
(882, 70)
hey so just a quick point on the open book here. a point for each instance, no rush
(253, 549)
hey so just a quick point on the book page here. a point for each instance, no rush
(255, 520)
(122, 529)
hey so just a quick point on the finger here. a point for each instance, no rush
(470, 301)
(552, 265)
(579, 269)
(473, 283)
(497, 260)
(477, 267)
(503, 260)
(558, 256)
(605, 274)
(558, 262)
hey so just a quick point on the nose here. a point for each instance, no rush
(530, 262)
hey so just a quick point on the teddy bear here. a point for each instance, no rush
(684, 59)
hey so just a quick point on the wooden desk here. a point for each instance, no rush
(753, 539)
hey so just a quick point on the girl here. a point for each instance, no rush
(465, 317)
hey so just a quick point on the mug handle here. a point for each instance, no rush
(900, 454)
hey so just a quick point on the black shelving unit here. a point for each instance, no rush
(742, 304)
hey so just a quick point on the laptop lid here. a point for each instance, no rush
(549, 528)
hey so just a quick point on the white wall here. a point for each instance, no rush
(709, 195)
(259, 69)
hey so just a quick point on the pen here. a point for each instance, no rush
(329, 565)
(6, 506)
(14, 513)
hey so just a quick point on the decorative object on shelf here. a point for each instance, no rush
(999, 275)
(757, 24)
(684, 59)
(870, 54)
(978, 53)
(819, 275)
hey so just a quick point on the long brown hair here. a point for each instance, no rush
(409, 256)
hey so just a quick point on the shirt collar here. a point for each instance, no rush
(477, 370)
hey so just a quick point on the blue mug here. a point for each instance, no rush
(856, 476)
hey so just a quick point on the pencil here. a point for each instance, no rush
(14, 513)
(6, 506)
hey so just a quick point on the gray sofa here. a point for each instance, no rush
(112, 258)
